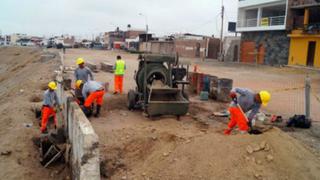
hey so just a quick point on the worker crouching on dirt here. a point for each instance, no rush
(119, 68)
(92, 91)
(50, 102)
(245, 101)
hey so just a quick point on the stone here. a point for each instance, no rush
(256, 148)
(263, 144)
(249, 149)
(258, 176)
(5, 153)
(154, 138)
(165, 154)
(269, 158)
(124, 177)
(267, 147)
(107, 67)
(259, 162)
(247, 158)
(144, 174)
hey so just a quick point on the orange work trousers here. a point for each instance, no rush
(96, 96)
(237, 118)
(46, 113)
(118, 83)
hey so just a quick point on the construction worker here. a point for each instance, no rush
(119, 68)
(245, 101)
(92, 91)
(50, 102)
(82, 72)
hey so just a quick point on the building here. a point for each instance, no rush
(15, 38)
(196, 46)
(262, 24)
(304, 23)
(114, 36)
(231, 48)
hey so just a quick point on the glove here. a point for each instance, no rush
(233, 95)
(227, 131)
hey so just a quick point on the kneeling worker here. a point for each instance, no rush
(245, 101)
(50, 101)
(92, 91)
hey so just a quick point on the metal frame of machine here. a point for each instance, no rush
(160, 90)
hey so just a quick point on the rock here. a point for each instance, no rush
(124, 177)
(263, 144)
(165, 154)
(269, 158)
(154, 138)
(258, 176)
(256, 148)
(144, 174)
(5, 153)
(247, 158)
(249, 149)
(259, 162)
(123, 114)
(267, 147)
(153, 130)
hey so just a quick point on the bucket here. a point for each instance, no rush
(213, 87)
(206, 83)
(200, 83)
(224, 88)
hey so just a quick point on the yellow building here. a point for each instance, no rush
(305, 38)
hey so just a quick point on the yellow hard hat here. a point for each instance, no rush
(265, 97)
(80, 61)
(78, 83)
(52, 85)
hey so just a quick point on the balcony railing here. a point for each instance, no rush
(264, 21)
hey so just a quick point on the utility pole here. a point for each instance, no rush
(221, 35)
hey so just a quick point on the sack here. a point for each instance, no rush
(299, 121)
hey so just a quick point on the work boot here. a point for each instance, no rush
(98, 111)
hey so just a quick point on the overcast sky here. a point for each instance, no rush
(87, 17)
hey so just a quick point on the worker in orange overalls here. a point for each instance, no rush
(50, 101)
(92, 91)
(119, 68)
(245, 101)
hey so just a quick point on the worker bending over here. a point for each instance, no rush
(119, 68)
(245, 101)
(82, 72)
(50, 102)
(92, 91)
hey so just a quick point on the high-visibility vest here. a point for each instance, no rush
(120, 66)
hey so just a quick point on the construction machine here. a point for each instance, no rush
(160, 89)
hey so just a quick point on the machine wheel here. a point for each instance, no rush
(154, 71)
(131, 102)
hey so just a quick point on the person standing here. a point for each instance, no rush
(50, 101)
(119, 69)
(82, 73)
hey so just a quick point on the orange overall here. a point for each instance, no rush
(118, 83)
(237, 118)
(46, 113)
(96, 96)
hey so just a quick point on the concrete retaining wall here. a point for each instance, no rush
(84, 151)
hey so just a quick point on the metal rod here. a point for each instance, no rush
(307, 96)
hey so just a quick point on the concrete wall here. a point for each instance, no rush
(84, 154)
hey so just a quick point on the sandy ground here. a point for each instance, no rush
(23, 76)
(134, 147)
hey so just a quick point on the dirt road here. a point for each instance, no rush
(134, 147)
(24, 73)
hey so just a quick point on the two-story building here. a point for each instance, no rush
(304, 23)
(262, 24)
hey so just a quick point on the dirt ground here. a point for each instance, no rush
(24, 73)
(135, 147)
